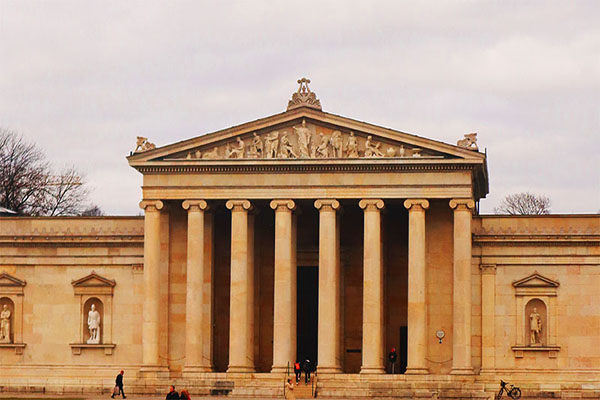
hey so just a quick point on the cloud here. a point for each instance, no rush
(83, 79)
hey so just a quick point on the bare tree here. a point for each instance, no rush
(29, 187)
(524, 204)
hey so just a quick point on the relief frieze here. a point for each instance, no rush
(305, 141)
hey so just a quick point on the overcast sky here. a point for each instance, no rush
(82, 79)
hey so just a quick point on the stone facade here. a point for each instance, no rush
(304, 234)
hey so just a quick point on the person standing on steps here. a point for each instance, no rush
(119, 384)
(289, 392)
(172, 395)
(307, 370)
(297, 371)
(392, 357)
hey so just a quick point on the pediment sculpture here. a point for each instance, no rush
(304, 142)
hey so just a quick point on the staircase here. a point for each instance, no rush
(302, 390)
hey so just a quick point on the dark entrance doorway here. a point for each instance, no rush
(308, 314)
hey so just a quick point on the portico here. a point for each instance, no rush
(322, 172)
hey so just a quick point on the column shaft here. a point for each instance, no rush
(284, 322)
(372, 335)
(461, 341)
(488, 305)
(241, 315)
(417, 302)
(194, 357)
(329, 288)
(151, 307)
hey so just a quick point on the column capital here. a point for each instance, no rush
(462, 204)
(239, 205)
(194, 205)
(148, 205)
(327, 204)
(418, 204)
(371, 204)
(488, 269)
(283, 205)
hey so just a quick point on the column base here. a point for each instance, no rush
(158, 372)
(372, 370)
(329, 370)
(281, 369)
(241, 368)
(417, 371)
(462, 371)
(190, 371)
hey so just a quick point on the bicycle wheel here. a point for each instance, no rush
(498, 395)
(515, 393)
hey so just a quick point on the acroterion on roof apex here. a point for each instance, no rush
(304, 97)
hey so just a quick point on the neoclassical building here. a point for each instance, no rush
(304, 235)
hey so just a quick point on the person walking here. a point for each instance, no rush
(119, 385)
(297, 371)
(289, 393)
(184, 395)
(307, 370)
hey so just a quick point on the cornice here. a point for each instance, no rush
(287, 167)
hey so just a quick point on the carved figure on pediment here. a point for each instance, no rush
(142, 144)
(286, 150)
(337, 144)
(271, 144)
(304, 136)
(352, 146)
(322, 150)
(390, 152)
(236, 152)
(372, 149)
(94, 325)
(213, 154)
(535, 327)
(402, 151)
(256, 147)
(5, 325)
(416, 152)
(195, 155)
(469, 142)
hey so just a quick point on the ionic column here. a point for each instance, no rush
(151, 307)
(241, 314)
(488, 306)
(194, 358)
(417, 302)
(372, 339)
(461, 339)
(329, 288)
(284, 321)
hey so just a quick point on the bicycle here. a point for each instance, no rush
(514, 392)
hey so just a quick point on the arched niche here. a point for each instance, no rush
(536, 328)
(7, 305)
(99, 309)
(12, 291)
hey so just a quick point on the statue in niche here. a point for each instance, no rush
(322, 151)
(236, 152)
(304, 136)
(535, 328)
(214, 153)
(94, 325)
(372, 149)
(336, 144)
(286, 150)
(271, 144)
(352, 146)
(5, 325)
(256, 148)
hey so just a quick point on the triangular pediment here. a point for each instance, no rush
(93, 280)
(309, 134)
(536, 280)
(7, 280)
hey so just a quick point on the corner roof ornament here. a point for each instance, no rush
(304, 97)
